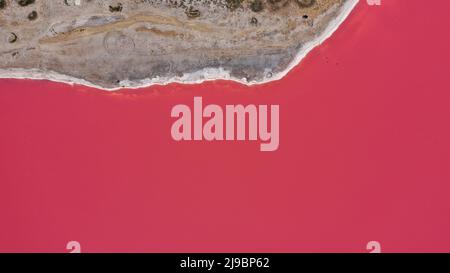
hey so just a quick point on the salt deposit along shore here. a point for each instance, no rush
(115, 46)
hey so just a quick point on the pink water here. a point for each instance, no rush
(364, 154)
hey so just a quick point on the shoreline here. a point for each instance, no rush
(198, 77)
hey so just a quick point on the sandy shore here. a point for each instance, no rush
(208, 74)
